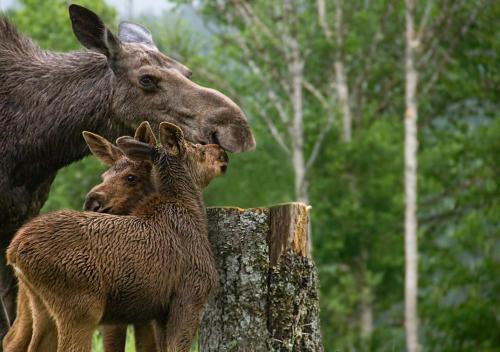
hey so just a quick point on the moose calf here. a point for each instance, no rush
(153, 265)
(124, 184)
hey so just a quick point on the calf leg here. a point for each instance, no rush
(76, 316)
(182, 323)
(114, 337)
(75, 336)
(44, 337)
(19, 336)
(144, 337)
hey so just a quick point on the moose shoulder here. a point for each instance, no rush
(47, 99)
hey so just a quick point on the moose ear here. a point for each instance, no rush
(91, 31)
(172, 139)
(134, 149)
(103, 150)
(145, 134)
(129, 32)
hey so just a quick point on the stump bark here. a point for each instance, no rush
(268, 294)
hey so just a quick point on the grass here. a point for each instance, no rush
(97, 342)
(130, 344)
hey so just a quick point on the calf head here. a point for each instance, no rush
(127, 182)
(149, 85)
(124, 184)
(176, 162)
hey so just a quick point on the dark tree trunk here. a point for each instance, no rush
(268, 298)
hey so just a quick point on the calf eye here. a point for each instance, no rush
(147, 82)
(131, 179)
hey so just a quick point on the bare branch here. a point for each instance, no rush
(329, 109)
(425, 19)
(247, 12)
(271, 127)
(322, 19)
(440, 66)
(319, 141)
(317, 94)
(359, 87)
(262, 77)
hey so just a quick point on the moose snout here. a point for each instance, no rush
(94, 202)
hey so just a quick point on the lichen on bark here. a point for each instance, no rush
(261, 305)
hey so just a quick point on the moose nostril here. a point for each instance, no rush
(92, 203)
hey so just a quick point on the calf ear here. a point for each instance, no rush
(145, 134)
(102, 148)
(134, 149)
(91, 31)
(172, 139)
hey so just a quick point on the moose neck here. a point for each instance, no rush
(45, 114)
(175, 185)
(174, 189)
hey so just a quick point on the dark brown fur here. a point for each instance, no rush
(47, 99)
(156, 264)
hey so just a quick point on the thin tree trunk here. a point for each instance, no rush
(342, 92)
(340, 76)
(366, 304)
(297, 133)
(411, 259)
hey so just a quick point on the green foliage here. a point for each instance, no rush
(72, 184)
(47, 21)
(356, 188)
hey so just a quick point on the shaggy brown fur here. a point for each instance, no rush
(124, 185)
(47, 99)
(154, 265)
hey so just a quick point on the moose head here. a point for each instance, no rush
(149, 85)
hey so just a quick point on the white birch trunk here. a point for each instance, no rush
(342, 93)
(297, 133)
(410, 175)
(340, 77)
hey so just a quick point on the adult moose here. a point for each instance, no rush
(47, 99)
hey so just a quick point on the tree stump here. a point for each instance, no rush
(268, 294)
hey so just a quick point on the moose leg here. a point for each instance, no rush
(75, 336)
(44, 337)
(19, 336)
(182, 322)
(144, 337)
(76, 316)
(8, 288)
(114, 337)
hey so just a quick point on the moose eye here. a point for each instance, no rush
(131, 179)
(147, 82)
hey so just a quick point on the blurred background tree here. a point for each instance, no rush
(322, 83)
